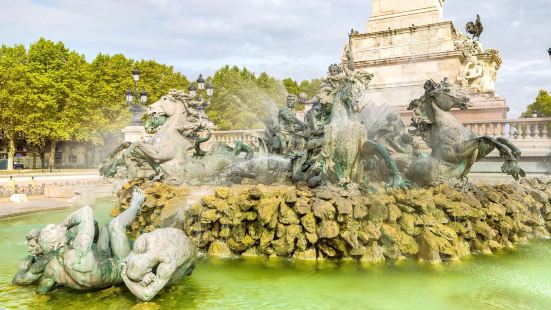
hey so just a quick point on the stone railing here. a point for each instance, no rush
(7, 191)
(231, 136)
(514, 129)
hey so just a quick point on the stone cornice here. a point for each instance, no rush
(403, 13)
(402, 30)
(413, 58)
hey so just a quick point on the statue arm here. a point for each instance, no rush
(147, 292)
(45, 285)
(290, 117)
(83, 219)
(312, 100)
(25, 275)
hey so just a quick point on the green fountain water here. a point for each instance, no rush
(516, 279)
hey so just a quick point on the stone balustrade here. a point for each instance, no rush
(7, 191)
(230, 136)
(514, 129)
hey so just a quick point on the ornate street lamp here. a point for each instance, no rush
(192, 91)
(549, 52)
(201, 90)
(136, 100)
(201, 82)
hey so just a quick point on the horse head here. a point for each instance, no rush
(171, 105)
(437, 97)
(352, 91)
(447, 97)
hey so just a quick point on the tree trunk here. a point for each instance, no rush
(34, 159)
(51, 157)
(11, 150)
(42, 158)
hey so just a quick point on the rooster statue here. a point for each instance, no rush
(475, 28)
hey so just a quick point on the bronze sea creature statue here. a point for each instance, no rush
(336, 141)
(454, 148)
(173, 151)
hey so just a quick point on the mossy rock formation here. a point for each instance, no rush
(433, 224)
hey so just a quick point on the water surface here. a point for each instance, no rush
(516, 279)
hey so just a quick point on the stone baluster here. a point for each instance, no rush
(545, 131)
(537, 131)
(512, 130)
(494, 129)
(501, 129)
(531, 130)
(521, 130)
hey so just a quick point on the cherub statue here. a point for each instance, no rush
(158, 258)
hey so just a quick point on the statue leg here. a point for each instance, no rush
(516, 152)
(510, 154)
(120, 246)
(103, 246)
(484, 145)
(397, 181)
(139, 153)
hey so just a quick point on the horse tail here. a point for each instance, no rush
(198, 141)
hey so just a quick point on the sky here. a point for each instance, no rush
(285, 38)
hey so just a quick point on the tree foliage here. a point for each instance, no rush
(13, 79)
(308, 87)
(242, 100)
(50, 93)
(542, 105)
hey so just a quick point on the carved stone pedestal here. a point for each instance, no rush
(133, 133)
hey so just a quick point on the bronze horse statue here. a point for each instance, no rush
(346, 143)
(454, 148)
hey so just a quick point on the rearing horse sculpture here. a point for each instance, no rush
(174, 122)
(346, 143)
(454, 148)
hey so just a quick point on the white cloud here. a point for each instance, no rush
(297, 38)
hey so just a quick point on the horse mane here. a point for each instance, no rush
(443, 95)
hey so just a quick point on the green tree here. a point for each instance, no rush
(310, 87)
(542, 105)
(14, 84)
(111, 77)
(58, 106)
(157, 79)
(291, 86)
(241, 100)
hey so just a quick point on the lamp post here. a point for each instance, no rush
(549, 52)
(136, 100)
(201, 90)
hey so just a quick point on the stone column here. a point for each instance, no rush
(395, 14)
